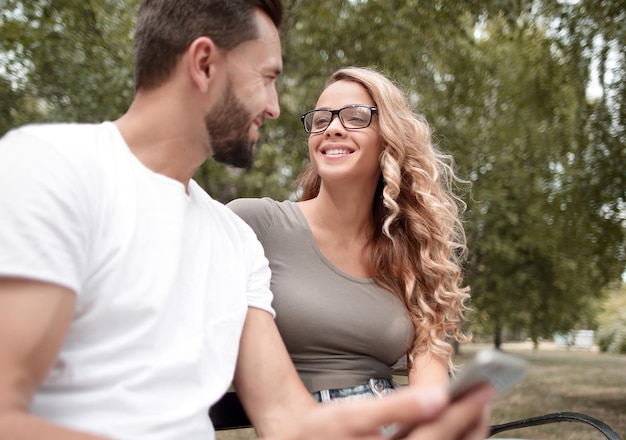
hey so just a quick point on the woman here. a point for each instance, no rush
(366, 266)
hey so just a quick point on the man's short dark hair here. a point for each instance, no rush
(166, 28)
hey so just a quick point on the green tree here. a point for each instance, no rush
(505, 85)
(70, 60)
(612, 322)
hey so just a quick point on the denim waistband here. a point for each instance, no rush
(374, 387)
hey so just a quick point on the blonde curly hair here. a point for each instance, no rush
(419, 242)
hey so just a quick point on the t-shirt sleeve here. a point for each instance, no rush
(258, 289)
(42, 210)
(258, 214)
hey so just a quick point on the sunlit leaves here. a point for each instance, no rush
(529, 97)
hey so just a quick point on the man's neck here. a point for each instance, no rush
(163, 140)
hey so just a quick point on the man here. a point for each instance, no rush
(126, 291)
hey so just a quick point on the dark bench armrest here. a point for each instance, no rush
(555, 418)
(227, 413)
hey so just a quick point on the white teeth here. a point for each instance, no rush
(335, 151)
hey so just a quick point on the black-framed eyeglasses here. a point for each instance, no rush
(351, 117)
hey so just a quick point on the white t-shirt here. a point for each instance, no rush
(163, 278)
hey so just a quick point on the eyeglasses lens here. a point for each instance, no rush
(318, 120)
(351, 117)
(355, 117)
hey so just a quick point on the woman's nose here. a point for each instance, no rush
(335, 126)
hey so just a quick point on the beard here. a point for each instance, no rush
(228, 131)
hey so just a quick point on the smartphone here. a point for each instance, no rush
(500, 370)
(490, 366)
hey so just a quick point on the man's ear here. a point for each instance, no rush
(202, 60)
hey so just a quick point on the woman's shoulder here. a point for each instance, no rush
(245, 207)
(259, 213)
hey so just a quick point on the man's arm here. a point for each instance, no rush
(34, 320)
(280, 407)
(266, 381)
(419, 413)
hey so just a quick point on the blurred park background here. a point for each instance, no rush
(528, 96)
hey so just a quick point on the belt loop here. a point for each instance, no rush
(377, 388)
(325, 396)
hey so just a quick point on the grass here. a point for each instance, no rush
(561, 380)
(558, 380)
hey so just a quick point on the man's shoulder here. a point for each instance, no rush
(60, 136)
(51, 132)
(216, 209)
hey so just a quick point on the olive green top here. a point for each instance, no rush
(340, 330)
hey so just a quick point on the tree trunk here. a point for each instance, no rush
(497, 337)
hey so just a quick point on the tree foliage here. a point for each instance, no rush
(69, 60)
(528, 96)
(612, 322)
